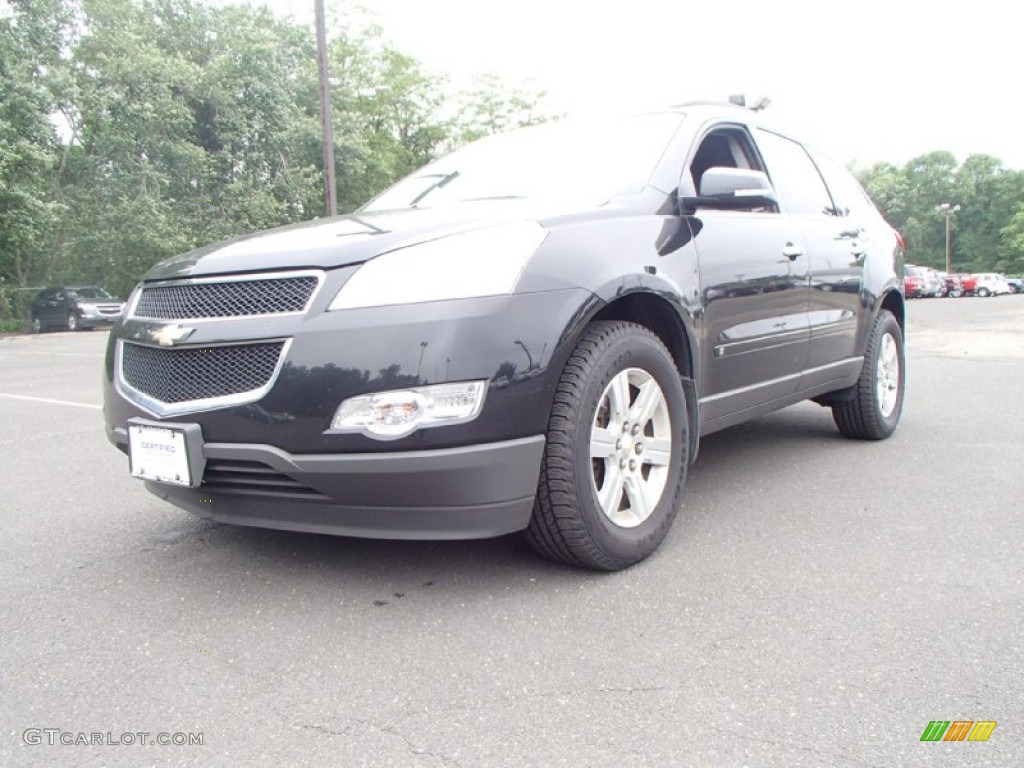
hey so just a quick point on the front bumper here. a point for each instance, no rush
(98, 321)
(475, 491)
(274, 461)
(98, 316)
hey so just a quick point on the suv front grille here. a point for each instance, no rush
(200, 300)
(199, 373)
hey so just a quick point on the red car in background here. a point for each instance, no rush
(913, 286)
(922, 281)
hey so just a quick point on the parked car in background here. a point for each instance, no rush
(74, 308)
(939, 281)
(954, 284)
(913, 285)
(1015, 284)
(990, 284)
(922, 282)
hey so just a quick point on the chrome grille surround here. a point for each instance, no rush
(216, 387)
(199, 299)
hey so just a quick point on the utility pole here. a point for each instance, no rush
(330, 188)
(949, 211)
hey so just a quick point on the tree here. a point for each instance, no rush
(386, 115)
(492, 106)
(983, 231)
(131, 130)
(1011, 250)
(30, 51)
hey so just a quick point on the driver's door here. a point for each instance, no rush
(754, 282)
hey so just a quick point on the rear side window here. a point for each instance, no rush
(795, 176)
(848, 195)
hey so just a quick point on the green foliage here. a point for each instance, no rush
(30, 47)
(14, 307)
(131, 130)
(492, 107)
(987, 232)
(1011, 252)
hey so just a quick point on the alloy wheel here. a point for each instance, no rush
(887, 375)
(630, 447)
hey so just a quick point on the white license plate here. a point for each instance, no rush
(159, 454)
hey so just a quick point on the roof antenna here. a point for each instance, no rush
(761, 103)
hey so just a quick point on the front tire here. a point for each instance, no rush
(616, 454)
(874, 410)
(72, 322)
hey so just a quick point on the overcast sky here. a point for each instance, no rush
(864, 80)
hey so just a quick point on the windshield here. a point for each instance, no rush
(568, 159)
(88, 293)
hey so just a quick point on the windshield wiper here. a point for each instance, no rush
(441, 181)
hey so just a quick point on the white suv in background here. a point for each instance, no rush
(990, 284)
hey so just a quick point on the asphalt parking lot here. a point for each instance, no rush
(818, 602)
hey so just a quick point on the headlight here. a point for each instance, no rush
(484, 262)
(89, 309)
(390, 415)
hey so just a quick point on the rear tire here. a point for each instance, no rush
(37, 325)
(615, 460)
(983, 292)
(874, 411)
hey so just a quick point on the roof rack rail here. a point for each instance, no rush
(741, 101)
(735, 100)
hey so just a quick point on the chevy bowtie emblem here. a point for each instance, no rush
(170, 335)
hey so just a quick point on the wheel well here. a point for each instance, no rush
(657, 315)
(894, 303)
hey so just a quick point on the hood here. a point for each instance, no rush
(344, 240)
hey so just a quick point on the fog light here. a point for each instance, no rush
(390, 415)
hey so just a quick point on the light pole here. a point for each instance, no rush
(949, 211)
(423, 348)
(330, 186)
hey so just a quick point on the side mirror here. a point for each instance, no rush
(733, 189)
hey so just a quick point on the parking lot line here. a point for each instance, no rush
(50, 400)
(47, 353)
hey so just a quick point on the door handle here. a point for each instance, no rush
(848, 234)
(791, 251)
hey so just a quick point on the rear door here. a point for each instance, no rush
(835, 254)
(46, 306)
(871, 241)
